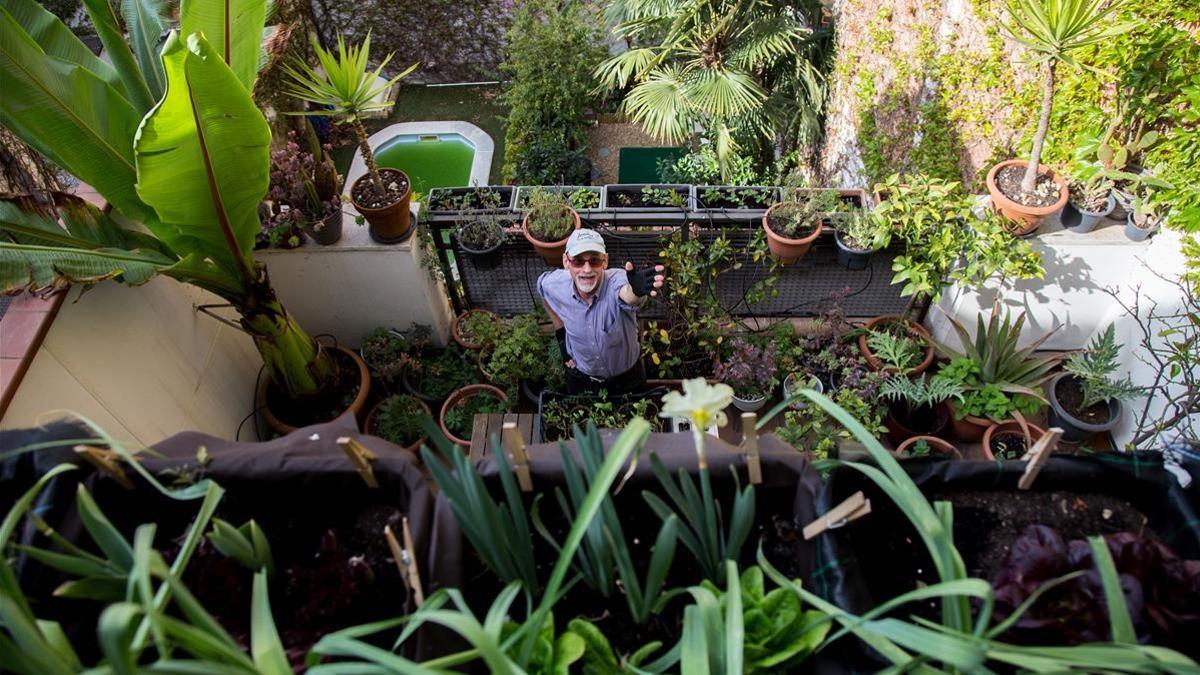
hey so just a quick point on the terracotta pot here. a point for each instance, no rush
(458, 396)
(937, 445)
(454, 325)
(1008, 426)
(788, 251)
(356, 406)
(914, 330)
(369, 427)
(390, 224)
(969, 429)
(899, 431)
(551, 252)
(1025, 219)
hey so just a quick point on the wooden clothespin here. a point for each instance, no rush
(106, 462)
(361, 457)
(854, 507)
(1037, 456)
(406, 559)
(750, 445)
(514, 445)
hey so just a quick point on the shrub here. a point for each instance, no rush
(399, 420)
(553, 48)
(749, 369)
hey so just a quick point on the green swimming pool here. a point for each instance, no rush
(430, 160)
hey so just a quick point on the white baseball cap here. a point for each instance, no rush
(584, 240)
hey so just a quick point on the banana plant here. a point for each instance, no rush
(171, 138)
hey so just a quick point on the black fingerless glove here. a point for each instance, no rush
(641, 281)
(561, 336)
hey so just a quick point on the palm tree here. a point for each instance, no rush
(1053, 29)
(172, 140)
(706, 70)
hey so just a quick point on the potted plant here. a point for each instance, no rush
(305, 188)
(926, 446)
(1144, 216)
(1010, 440)
(436, 374)
(917, 406)
(796, 381)
(343, 87)
(722, 198)
(1085, 399)
(1026, 192)
(582, 198)
(397, 419)
(750, 371)
(483, 198)
(458, 412)
(891, 343)
(547, 224)
(476, 329)
(522, 354)
(1091, 199)
(652, 196)
(480, 238)
(387, 352)
(856, 238)
(1001, 379)
(792, 226)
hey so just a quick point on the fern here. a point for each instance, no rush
(896, 351)
(1094, 366)
(921, 392)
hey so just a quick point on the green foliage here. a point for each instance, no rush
(399, 420)
(801, 214)
(386, 351)
(600, 659)
(552, 654)
(481, 328)
(559, 415)
(778, 633)
(813, 430)
(552, 48)
(921, 392)
(1094, 367)
(895, 348)
(460, 419)
(859, 230)
(246, 544)
(945, 242)
(550, 216)
(436, 375)
(705, 531)
(521, 353)
(700, 167)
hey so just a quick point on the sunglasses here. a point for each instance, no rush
(593, 260)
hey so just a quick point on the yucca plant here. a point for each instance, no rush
(344, 88)
(1012, 369)
(1054, 30)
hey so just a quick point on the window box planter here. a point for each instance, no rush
(721, 198)
(660, 197)
(584, 199)
(489, 198)
(613, 412)
(851, 198)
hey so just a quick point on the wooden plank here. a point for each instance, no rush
(525, 427)
(495, 425)
(478, 437)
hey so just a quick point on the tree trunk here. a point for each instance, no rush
(1039, 139)
(364, 146)
(292, 358)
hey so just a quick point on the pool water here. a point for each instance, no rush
(430, 160)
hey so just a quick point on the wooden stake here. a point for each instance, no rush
(361, 457)
(106, 461)
(512, 443)
(750, 445)
(1037, 457)
(854, 507)
(406, 559)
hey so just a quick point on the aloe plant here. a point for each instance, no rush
(172, 140)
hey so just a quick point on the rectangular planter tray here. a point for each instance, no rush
(507, 195)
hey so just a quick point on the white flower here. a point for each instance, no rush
(702, 404)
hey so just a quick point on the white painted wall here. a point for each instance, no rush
(1078, 267)
(141, 363)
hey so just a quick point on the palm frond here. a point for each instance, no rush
(725, 93)
(661, 105)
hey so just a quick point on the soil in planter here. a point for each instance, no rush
(1070, 397)
(325, 405)
(394, 183)
(922, 420)
(658, 198)
(1045, 188)
(737, 198)
(1009, 445)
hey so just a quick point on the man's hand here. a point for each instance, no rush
(644, 281)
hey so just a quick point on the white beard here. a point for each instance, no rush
(585, 287)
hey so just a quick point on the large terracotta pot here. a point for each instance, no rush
(369, 427)
(390, 224)
(788, 251)
(551, 252)
(1009, 426)
(915, 330)
(1025, 219)
(356, 406)
(458, 396)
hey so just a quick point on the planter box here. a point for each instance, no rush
(629, 197)
(852, 198)
(572, 191)
(548, 397)
(752, 200)
(483, 199)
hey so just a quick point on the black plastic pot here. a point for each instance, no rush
(852, 258)
(485, 259)
(330, 231)
(1076, 430)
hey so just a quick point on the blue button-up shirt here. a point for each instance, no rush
(602, 335)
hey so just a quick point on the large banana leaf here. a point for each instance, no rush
(104, 18)
(57, 40)
(145, 23)
(234, 28)
(203, 158)
(69, 114)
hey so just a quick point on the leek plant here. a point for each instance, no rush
(605, 549)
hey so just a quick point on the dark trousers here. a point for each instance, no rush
(628, 381)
